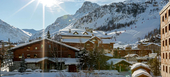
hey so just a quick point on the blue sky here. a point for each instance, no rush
(29, 17)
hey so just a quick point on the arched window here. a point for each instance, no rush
(163, 55)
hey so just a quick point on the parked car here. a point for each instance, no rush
(53, 70)
(37, 70)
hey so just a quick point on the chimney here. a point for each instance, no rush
(69, 30)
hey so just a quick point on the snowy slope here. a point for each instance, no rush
(31, 31)
(125, 21)
(15, 34)
(66, 20)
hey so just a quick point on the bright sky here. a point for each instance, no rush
(28, 14)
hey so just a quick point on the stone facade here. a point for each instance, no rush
(165, 40)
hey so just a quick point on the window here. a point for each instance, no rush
(166, 29)
(28, 48)
(35, 55)
(41, 46)
(165, 16)
(166, 69)
(162, 18)
(169, 69)
(166, 42)
(163, 31)
(169, 12)
(20, 56)
(169, 27)
(163, 67)
(163, 43)
(163, 55)
(36, 48)
(49, 46)
(94, 40)
(88, 44)
(166, 56)
(169, 55)
(28, 55)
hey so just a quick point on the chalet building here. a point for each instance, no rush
(122, 53)
(105, 44)
(120, 64)
(150, 46)
(82, 39)
(131, 57)
(45, 54)
(165, 40)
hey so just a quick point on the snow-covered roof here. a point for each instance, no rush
(81, 31)
(115, 61)
(131, 55)
(107, 41)
(108, 54)
(136, 65)
(68, 61)
(41, 40)
(75, 40)
(152, 55)
(140, 72)
(143, 58)
(107, 71)
(4, 46)
(165, 7)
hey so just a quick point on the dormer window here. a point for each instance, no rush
(75, 32)
(85, 33)
(94, 40)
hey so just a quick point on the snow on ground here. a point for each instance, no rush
(66, 74)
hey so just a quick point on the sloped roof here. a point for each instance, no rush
(116, 61)
(140, 72)
(131, 55)
(42, 40)
(136, 65)
(75, 40)
(152, 55)
(68, 61)
(108, 54)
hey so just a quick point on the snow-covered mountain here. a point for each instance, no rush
(66, 20)
(14, 34)
(31, 31)
(131, 19)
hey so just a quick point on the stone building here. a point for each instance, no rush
(165, 40)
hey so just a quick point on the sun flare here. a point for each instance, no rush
(48, 3)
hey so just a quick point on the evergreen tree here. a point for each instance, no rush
(154, 65)
(94, 60)
(22, 64)
(48, 35)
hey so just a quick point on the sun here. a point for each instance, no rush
(48, 3)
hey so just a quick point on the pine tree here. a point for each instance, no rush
(154, 65)
(48, 35)
(22, 64)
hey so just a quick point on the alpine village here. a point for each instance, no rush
(121, 39)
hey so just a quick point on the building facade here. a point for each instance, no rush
(165, 40)
(45, 53)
